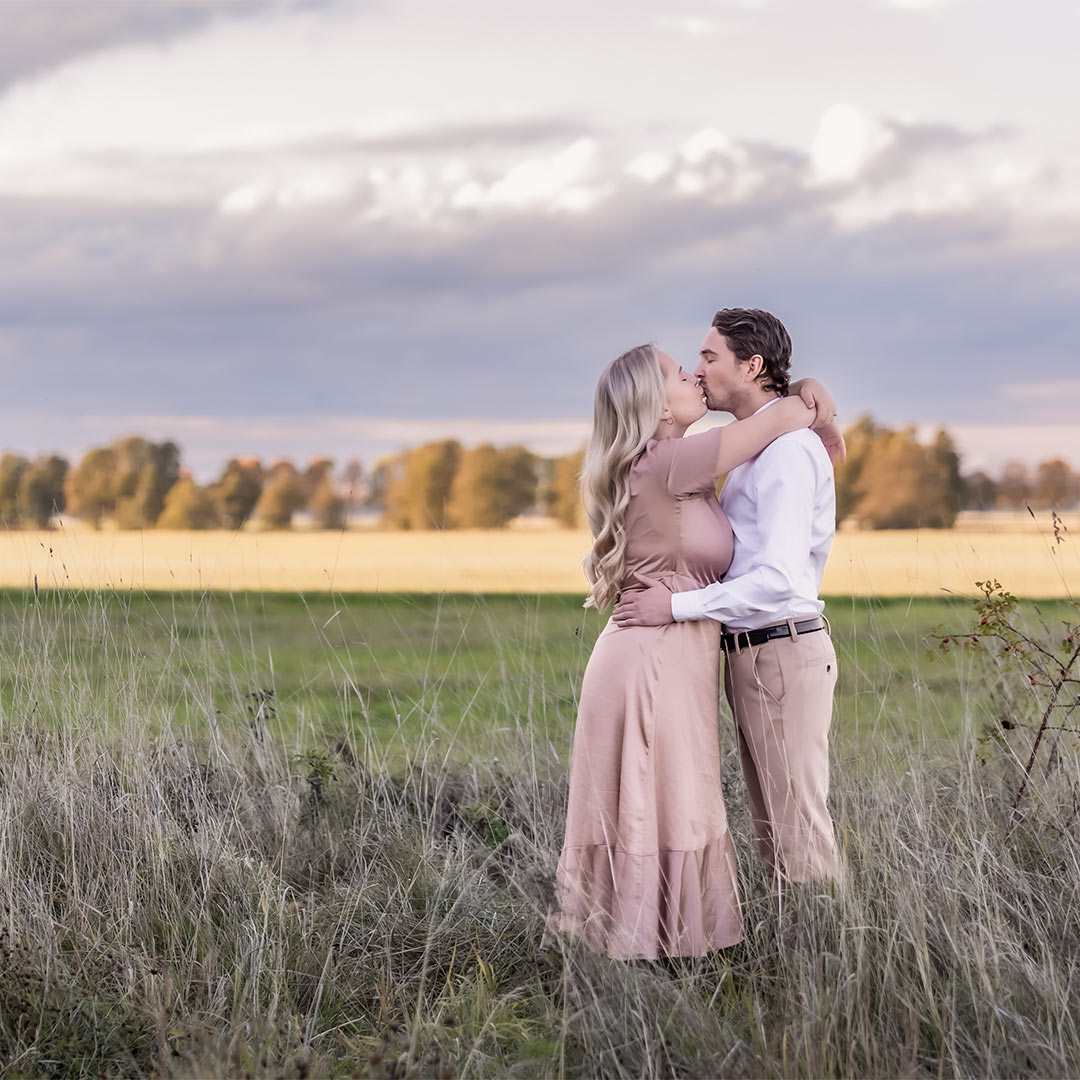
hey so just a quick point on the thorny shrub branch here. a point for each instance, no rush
(1050, 665)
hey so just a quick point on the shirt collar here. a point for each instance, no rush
(771, 401)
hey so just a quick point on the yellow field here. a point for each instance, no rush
(519, 560)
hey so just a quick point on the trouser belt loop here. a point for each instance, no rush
(792, 629)
(828, 625)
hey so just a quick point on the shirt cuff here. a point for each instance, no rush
(684, 606)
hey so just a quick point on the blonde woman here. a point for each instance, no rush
(647, 867)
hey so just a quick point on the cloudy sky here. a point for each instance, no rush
(346, 227)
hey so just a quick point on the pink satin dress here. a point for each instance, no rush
(647, 867)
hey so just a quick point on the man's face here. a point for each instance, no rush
(719, 373)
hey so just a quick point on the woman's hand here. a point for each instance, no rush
(833, 439)
(815, 396)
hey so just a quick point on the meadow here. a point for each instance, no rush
(395, 672)
(313, 834)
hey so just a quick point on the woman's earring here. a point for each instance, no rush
(669, 419)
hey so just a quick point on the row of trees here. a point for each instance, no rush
(442, 485)
(891, 481)
(1051, 485)
(135, 484)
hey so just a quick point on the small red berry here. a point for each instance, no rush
(944, 641)
(975, 638)
(1031, 679)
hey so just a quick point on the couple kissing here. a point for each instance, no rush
(648, 868)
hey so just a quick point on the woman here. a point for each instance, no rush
(647, 867)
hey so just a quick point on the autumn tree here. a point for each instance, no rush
(517, 480)
(903, 485)
(145, 472)
(90, 487)
(352, 476)
(188, 506)
(386, 473)
(126, 480)
(561, 496)
(1055, 485)
(980, 491)
(492, 486)
(321, 496)
(944, 457)
(12, 468)
(237, 491)
(327, 505)
(859, 438)
(41, 490)
(282, 495)
(418, 497)
(313, 475)
(1014, 487)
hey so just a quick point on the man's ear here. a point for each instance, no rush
(755, 366)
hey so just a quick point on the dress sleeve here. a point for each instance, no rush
(692, 463)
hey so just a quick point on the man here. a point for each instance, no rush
(780, 669)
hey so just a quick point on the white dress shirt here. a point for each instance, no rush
(782, 509)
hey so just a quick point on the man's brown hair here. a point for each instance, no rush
(750, 332)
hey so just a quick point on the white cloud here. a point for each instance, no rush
(649, 166)
(689, 182)
(193, 97)
(244, 199)
(212, 120)
(847, 138)
(704, 144)
(559, 180)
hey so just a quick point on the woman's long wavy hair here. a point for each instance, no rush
(630, 397)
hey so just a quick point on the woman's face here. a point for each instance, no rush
(685, 400)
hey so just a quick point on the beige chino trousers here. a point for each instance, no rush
(781, 698)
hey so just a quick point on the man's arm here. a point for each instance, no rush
(785, 501)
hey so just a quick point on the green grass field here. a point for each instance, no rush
(273, 835)
(452, 671)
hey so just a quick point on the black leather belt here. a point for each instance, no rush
(748, 638)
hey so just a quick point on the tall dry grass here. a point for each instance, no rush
(236, 904)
